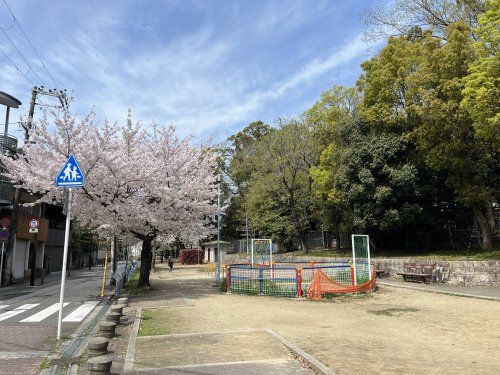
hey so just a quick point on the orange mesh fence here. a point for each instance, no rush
(321, 283)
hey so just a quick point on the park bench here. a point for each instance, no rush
(418, 272)
(380, 268)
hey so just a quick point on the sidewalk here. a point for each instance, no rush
(482, 292)
(221, 351)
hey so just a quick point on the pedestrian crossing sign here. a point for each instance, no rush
(70, 175)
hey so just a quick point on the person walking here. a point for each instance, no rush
(170, 264)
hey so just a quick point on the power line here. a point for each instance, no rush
(15, 66)
(22, 56)
(11, 26)
(29, 42)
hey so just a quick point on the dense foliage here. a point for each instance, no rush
(409, 155)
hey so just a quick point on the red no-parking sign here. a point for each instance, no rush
(34, 224)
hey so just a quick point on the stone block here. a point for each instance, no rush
(113, 317)
(100, 365)
(98, 343)
(117, 309)
(107, 329)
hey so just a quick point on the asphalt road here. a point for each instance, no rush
(28, 317)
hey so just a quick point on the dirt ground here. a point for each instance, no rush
(391, 331)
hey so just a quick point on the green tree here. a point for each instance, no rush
(366, 174)
(241, 152)
(446, 136)
(414, 88)
(280, 196)
(336, 106)
(482, 83)
(237, 167)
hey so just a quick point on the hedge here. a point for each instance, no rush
(191, 256)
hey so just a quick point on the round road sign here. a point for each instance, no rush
(34, 223)
(4, 233)
(5, 221)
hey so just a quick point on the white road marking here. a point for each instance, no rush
(17, 311)
(23, 355)
(3, 306)
(41, 315)
(81, 312)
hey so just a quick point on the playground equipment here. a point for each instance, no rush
(262, 251)
(310, 279)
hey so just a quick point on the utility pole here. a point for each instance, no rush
(29, 125)
(35, 91)
(17, 191)
(246, 227)
(112, 280)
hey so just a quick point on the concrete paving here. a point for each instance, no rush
(265, 367)
(482, 292)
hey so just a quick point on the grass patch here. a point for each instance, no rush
(131, 286)
(393, 311)
(45, 364)
(155, 322)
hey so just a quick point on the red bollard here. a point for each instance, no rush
(299, 281)
(228, 277)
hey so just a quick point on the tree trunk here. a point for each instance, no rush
(146, 258)
(491, 218)
(337, 240)
(487, 237)
(303, 243)
(154, 260)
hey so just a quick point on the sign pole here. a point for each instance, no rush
(65, 261)
(1, 261)
(33, 261)
(70, 176)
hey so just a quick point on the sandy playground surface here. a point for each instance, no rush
(392, 331)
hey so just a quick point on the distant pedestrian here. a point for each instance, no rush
(170, 264)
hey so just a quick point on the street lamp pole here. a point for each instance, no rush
(217, 272)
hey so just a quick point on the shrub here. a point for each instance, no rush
(191, 256)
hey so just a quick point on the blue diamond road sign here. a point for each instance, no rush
(70, 175)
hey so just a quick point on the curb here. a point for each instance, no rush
(129, 357)
(309, 359)
(450, 293)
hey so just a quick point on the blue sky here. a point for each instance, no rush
(207, 67)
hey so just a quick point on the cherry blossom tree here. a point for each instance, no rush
(141, 180)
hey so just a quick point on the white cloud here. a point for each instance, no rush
(193, 80)
(247, 106)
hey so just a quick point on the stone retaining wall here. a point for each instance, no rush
(456, 272)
